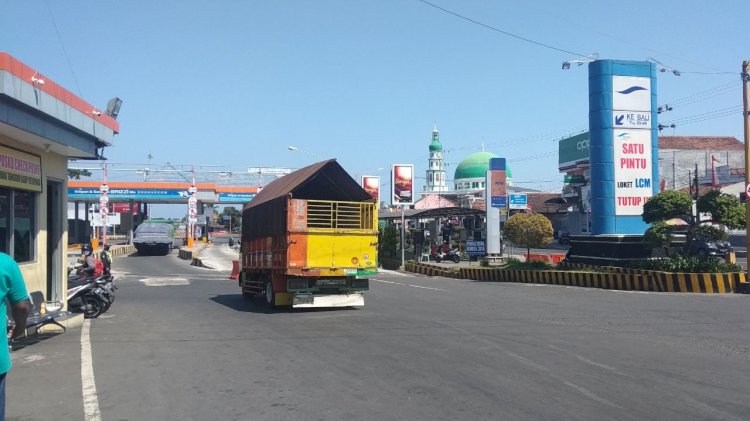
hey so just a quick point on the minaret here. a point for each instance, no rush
(435, 168)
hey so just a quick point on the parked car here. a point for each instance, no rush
(154, 237)
(710, 248)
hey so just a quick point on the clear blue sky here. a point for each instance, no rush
(235, 82)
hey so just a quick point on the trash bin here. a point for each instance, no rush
(231, 242)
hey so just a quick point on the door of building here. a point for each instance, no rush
(54, 240)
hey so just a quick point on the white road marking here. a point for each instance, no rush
(408, 285)
(88, 383)
(390, 272)
(590, 395)
(166, 281)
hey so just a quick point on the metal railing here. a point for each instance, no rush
(340, 215)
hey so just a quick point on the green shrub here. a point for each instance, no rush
(688, 264)
(515, 264)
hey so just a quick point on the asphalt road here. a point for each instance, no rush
(181, 344)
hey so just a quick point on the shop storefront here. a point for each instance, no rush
(42, 126)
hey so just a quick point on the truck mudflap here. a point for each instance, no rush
(302, 300)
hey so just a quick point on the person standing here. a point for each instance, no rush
(12, 289)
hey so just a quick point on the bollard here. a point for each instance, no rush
(731, 257)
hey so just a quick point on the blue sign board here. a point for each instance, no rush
(499, 202)
(236, 197)
(126, 194)
(517, 201)
(475, 248)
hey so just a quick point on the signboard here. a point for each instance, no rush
(517, 201)
(226, 217)
(201, 219)
(586, 199)
(631, 93)
(371, 184)
(633, 179)
(402, 184)
(573, 150)
(126, 194)
(574, 179)
(631, 120)
(236, 197)
(497, 179)
(20, 170)
(95, 219)
(475, 248)
(125, 208)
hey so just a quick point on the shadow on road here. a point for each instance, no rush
(34, 339)
(257, 305)
(238, 303)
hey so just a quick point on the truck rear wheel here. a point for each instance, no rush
(269, 293)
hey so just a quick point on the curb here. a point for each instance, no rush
(614, 278)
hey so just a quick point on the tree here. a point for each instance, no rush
(529, 230)
(75, 174)
(235, 217)
(667, 205)
(724, 209)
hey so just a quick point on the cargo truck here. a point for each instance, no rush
(309, 239)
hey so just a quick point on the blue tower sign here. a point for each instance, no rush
(623, 144)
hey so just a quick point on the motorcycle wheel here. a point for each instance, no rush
(92, 307)
(438, 259)
(456, 258)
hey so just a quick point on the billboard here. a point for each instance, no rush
(402, 184)
(371, 184)
(573, 150)
(624, 145)
(497, 182)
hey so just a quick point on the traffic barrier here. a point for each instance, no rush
(235, 270)
(610, 278)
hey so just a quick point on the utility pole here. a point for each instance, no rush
(746, 118)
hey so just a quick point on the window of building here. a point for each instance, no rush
(474, 185)
(17, 223)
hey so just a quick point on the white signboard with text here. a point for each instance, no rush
(633, 177)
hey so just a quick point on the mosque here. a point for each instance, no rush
(467, 187)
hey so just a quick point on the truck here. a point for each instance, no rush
(309, 239)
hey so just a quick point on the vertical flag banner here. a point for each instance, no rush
(371, 184)
(402, 184)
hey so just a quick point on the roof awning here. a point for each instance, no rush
(432, 213)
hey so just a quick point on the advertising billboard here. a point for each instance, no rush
(371, 184)
(402, 184)
(497, 182)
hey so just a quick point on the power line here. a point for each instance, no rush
(484, 25)
(65, 52)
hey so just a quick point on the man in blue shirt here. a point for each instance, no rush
(12, 289)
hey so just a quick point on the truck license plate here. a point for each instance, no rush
(330, 282)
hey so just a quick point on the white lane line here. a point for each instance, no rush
(391, 272)
(408, 285)
(88, 384)
(164, 281)
(590, 394)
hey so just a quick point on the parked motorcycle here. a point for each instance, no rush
(451, 255)
(91, 296)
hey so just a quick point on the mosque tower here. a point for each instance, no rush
(435, 166)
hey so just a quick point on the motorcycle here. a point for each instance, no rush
(90, 295)
(451, 255)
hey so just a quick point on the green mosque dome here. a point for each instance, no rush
(476, 166)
